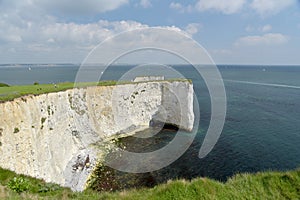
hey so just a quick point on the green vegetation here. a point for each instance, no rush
(18, 184)
(16, 130)
(4, 85)
(13, 186)
(49, 110)
(43, 119)
(12, 92)
(264, 185)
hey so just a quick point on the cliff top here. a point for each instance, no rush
(9, 93)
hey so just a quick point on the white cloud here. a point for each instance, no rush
(145, 3)
(79, 7)
(176, 6)
(226, 7)
(249, 28)
(192, 28)
(57, 42)
(262, 7)
(269, 7)
(266, 28)
(67, 34)
(170, 46)
(27, 32)
(33, 8)
(10, 38)
(222, 51)
(181, 8)
(266, 39)
(35, 35)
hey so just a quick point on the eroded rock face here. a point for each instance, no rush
(53, 136)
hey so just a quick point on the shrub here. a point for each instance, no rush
(4, 85)
(48, 187)
(36, 83)
(18, 184)
(43, 119)
(16, 130)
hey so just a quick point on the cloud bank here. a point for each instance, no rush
(266, 39)
(262, 7)
(226, 7)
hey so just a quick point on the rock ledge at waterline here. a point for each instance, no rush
(51, 136)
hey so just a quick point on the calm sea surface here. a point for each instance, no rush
(261, 132)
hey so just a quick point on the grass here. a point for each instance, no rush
(8, 93)
(263, 185)
(12, 92)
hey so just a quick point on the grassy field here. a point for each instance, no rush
(265, 185)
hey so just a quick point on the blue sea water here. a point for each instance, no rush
(262, 127)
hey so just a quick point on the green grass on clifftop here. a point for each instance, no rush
(8, 93)
(12, 92)
(266, 185)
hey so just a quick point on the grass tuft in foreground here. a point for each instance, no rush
(264, 185)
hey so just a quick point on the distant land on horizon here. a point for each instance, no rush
(132, 64)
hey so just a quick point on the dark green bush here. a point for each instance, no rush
(4, 85)
(48, 187)
(16, 130)
(43, 119)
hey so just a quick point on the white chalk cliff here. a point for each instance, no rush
(51, 136)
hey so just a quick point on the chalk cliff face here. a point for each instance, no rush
(51, 136)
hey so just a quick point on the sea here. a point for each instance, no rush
(261, 130)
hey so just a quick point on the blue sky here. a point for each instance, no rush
(232, 31)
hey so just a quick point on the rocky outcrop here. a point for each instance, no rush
(52, 136)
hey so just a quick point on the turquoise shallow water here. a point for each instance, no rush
(262, 127)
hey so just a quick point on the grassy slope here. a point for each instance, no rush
(266, 185)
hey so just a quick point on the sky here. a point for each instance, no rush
(264, 32)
